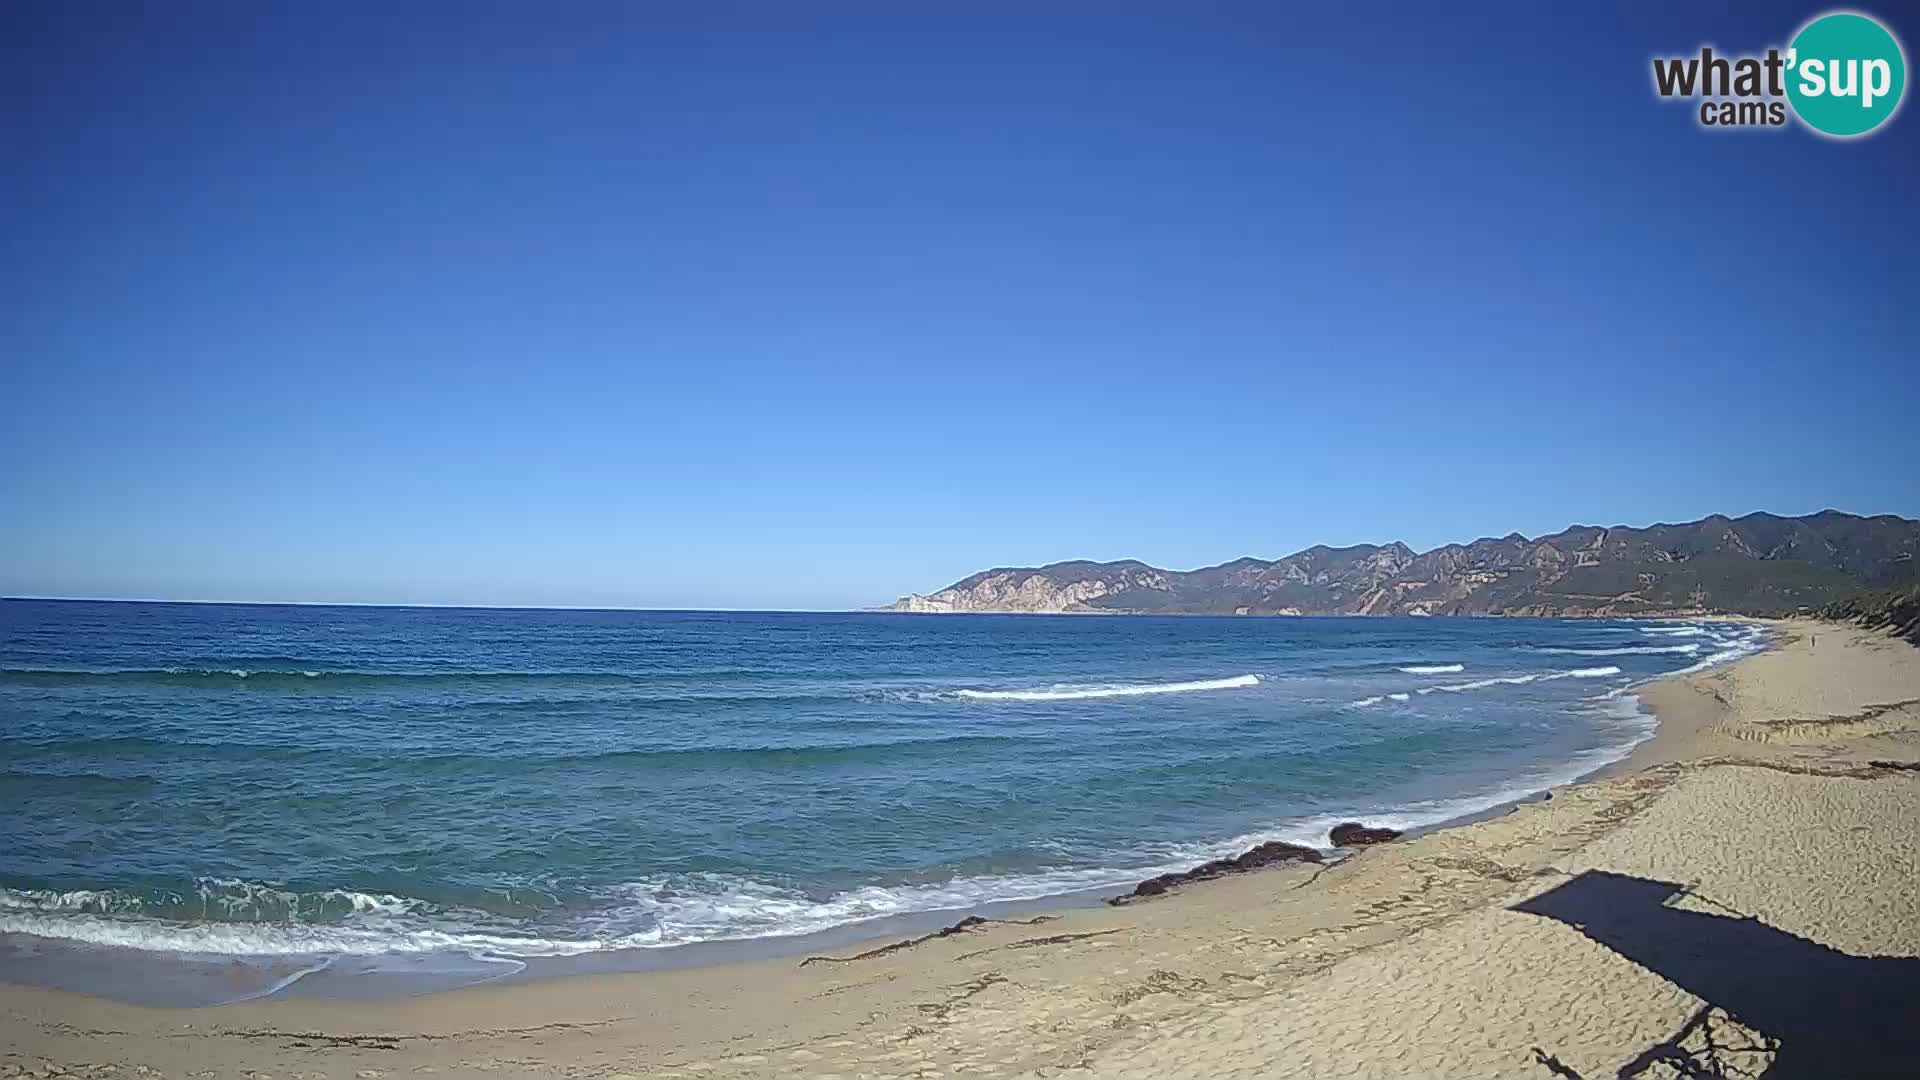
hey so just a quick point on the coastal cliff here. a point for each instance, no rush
(1757, 564)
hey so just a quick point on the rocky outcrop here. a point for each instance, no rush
(1271, 853)
(1062, 587)
(1351, 834)
(1759, 564)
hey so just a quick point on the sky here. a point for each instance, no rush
(806, 305)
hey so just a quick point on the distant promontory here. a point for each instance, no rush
(1760, 564)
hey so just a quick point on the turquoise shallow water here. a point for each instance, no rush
(489, 786)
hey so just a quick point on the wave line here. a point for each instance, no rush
(1079, 693)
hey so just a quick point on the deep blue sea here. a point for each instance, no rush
(486, 786)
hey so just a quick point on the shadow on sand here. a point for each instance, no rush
(1824, 1013)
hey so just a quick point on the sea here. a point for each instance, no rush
(203, 803)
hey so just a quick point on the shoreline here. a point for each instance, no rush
(174, 980)
(1680, 718)
(1191, 981)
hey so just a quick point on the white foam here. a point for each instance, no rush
(278, 939)
(222, 898)
(284, 981)
(1721, 657)
(741, 908)
(95, 900)
(1521, 680)
(722, 906)
(1734, 642)
(1433, 669)
(644, 914)
(238, 673)
(652, 913)
(1675, 631)
(1378, 698)
(1077, 693)
(1480, 684)
(685, 909)
(1632, 650)
(1730, 642)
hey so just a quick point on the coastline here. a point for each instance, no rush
(1190, 795)
(1684, 715)
(1599, 613)
(1742, 755)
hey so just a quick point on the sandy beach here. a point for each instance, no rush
(1740, 895)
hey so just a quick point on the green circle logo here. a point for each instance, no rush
(1845, 74)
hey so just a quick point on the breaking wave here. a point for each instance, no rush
(1629, 650)
(250, 919)
(1378, 698)
(1077, 693)
(1735, 652)
(223, 899)
(1522, 680)
(652, 912)
(680, 909)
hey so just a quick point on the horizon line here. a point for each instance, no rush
(677, 611)
(1183, 615)
(441, 607)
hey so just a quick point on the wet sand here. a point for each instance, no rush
(1742, 892)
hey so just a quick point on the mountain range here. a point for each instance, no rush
(1760, 564)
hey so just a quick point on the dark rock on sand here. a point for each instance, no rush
(1271, 853)
(1274, 851)
(1354, 834)
(1155, 886)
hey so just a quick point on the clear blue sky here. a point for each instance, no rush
(797, 305)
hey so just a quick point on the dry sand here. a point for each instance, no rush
(1741, 894)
